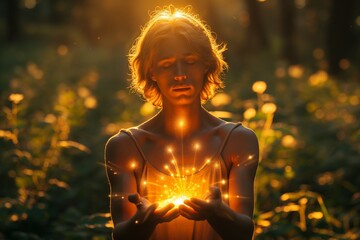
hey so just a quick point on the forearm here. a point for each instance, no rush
(131, 230)
(231, 225)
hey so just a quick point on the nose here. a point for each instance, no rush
(179, 74)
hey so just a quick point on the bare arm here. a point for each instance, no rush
(136, 218)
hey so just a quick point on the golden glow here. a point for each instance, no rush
(133, 165)
(249, 113)
(318, 78)
(315, 215)
(16, 98)
(181, 124)
(268, 108)
(147, 109)
(176, 200)
(221, 99)
(296, 71)
(288, 141)
(259, 87)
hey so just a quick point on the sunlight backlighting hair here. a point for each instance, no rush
(181, 22)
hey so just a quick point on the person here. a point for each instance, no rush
(184, 173)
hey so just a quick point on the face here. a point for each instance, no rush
(178, 71)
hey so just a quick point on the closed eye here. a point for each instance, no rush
(166, 63)
(191, 59)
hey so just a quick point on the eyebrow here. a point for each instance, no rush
(184, 56)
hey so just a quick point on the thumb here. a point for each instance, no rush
(215, 193)
(134, 198)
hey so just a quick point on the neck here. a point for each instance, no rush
(181, 121)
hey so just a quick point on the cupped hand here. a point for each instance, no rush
(198, 209)
(148, 212)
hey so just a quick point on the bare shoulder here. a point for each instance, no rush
(242, 145)
(120, 150)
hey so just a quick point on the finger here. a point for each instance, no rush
(199, 202)
(169, 216)
(147, 213)
(189, 213)
(193, 205)
(215, 192)
(162, 211)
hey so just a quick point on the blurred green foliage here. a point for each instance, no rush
(63, 94)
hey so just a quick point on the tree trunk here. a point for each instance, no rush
(256, 28)
(288, 30)
(12, 20)
(339, 38)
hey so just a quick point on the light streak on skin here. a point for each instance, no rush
(174, 161)
(197, 146)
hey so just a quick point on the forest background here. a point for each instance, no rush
(294, 78)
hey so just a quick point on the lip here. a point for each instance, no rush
(181, 88)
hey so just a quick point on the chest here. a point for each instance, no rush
(183, 156)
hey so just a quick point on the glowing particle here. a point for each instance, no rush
(144, 182)
(136, 222)
(133, 165)
(197, 146)
(223, 182)
(170, 150)
(181, 123)
(226, 196)
(251, 157)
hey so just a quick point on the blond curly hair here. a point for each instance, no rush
(185, 24)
